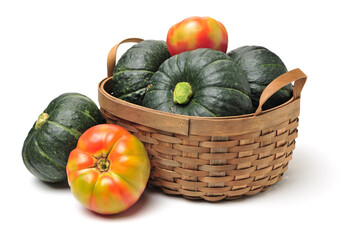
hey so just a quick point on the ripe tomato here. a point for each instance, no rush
(197, 32)
(108, 170)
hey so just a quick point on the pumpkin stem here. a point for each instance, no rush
(182, 93)
(41, 120)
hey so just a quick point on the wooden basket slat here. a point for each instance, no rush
(194, 161)
(218, 179)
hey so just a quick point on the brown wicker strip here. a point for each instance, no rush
(191, 149)
(146, 139)
(243, 160)
(165, 138)
(218, 156)
(192, 184)
(166, 162)
(190, 172)
(193, 161)
(219, 179)
(218, 144)
(216, 168)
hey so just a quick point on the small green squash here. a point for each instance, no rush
(261, 67)
(55, 134)
(201, 82)
(133, 72)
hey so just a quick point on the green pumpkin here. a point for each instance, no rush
(201, 82)
(55, 134)
(135, 68)
(261, 67)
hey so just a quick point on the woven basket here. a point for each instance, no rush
(211, 158)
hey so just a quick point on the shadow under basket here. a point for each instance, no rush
(211, 158)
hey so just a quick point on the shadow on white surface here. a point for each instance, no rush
(52, 186)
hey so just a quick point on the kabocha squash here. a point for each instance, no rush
(201, 82)
(55, 134)
(135, 68)
(261, 67)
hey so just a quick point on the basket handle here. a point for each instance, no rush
(295, 75)
(111, 59)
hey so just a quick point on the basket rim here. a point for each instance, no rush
(192, 125)
(103, 82)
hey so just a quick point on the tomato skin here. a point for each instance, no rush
(197, 32)
(108, 170)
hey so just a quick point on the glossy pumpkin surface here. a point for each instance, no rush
(55, 134)
(133, 72)
(201, 82)
(261, 67)
(108, 170)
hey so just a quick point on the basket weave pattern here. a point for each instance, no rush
(211, 158)
(215, 167)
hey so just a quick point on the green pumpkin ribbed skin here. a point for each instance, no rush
(135, 68)
(261, 67)
(46, 149)
(219, 86)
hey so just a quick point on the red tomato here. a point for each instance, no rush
(108, 170)
(197, 32)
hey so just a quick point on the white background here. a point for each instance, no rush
(52, 47)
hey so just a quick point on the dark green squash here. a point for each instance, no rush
(202, 82)
(55, 134)
(135, 68)
(261, 67)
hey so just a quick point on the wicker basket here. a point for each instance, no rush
(211, 158)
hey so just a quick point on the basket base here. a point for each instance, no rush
(155, 185)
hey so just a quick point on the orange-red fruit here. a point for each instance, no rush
(108, 170)
(197, 32)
